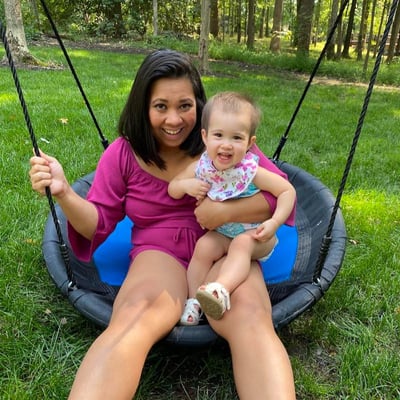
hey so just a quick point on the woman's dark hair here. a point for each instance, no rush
(134, 123)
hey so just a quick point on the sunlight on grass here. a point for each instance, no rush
(7, 98)
(372, 208)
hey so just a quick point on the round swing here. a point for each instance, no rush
(299, 272)
(289, 272)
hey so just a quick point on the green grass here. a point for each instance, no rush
(346, 347)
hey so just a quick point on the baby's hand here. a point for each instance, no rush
(197, 188)
(266, 230)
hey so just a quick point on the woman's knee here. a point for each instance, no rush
(143, 322)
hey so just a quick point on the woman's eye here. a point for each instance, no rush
(186, 106)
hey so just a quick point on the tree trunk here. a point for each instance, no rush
(275, 45)
(304, 24)
(262, 22)
(204, 32)
(378, 36)
(370, 36)
(363, 29)
(317, 18)
(339, 36)
(239, 21)
(349, 32)
(214, 26)
(15, 33)
(394, 34)
(251, 25)
(155, 18)
(330, 50)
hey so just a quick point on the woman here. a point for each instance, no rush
(160, 136)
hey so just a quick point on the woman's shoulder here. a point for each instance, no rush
(119, 149)
(120, 144)
(119, 154)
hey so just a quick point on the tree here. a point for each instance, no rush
(214, 25)
(349, 31)
(275, 45)
(239, 21)
(304, 24)
(155, 18)
(204, 33)
(394, 36)
(251, 25)
(330, 50)
(362, 34)
(15, 33)
(263, 20)
(370, 35)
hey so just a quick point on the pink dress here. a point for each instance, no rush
(121, 187)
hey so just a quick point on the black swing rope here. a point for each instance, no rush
(104, 141)
(63, 246)
(284, 137)
(327, 238)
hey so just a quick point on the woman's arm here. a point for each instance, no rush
(211, 214)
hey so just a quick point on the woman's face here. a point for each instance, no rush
(172, 110)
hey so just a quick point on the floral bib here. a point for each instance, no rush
(229, 183)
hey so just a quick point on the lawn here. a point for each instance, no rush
(346, 347)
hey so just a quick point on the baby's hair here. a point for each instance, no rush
(231, 102)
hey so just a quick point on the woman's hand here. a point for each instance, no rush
(211, 214)
(45, 172)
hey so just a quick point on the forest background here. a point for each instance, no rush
(264, 27)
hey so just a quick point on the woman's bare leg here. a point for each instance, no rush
(147, 307)
(261, 365)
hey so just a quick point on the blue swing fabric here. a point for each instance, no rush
(288, 273)
(112, 257)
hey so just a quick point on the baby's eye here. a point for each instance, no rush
(238, 138)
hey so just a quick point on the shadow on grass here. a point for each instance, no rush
(188, 373)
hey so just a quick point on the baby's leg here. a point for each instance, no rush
(236, 265)
(209, 249)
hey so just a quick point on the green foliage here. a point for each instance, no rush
(345, 347)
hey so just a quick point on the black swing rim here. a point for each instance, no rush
(289, 302)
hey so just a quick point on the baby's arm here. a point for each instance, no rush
(285, 193)
(187, 183)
